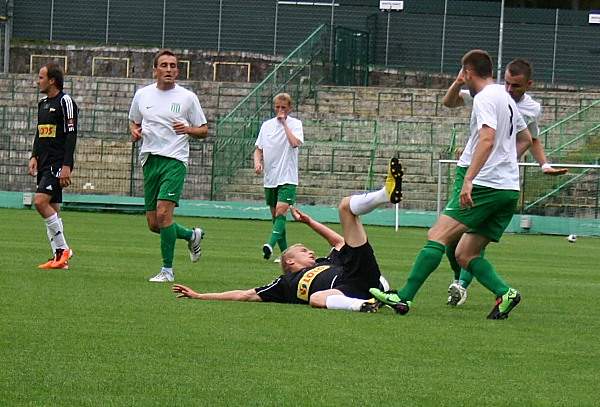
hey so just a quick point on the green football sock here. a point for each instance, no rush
(168, 236)
(485, 273)
(427, 261)
(452, 259)
(278, 230)
(465, 277)
(183, 232)
(282, 242)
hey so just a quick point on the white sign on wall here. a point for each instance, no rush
(388, 5)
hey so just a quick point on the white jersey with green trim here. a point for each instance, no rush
(156, 110)
(493, 107)
(279, 157)
(530, 109)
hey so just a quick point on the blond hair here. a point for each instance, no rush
(283, 96)
(286, 254)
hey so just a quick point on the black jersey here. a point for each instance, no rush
(297, 287)
(56, 135)
(351, 270)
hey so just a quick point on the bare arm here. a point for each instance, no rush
(332, 237)
(482, 152)
(65, 176)
(537, 150)
(199, 132)
(234, 295)
(294, 141)
(523, 142)
(258, 165)
(453, 98)
(136, 131)
(33, 166)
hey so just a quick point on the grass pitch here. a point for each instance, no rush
(99, 334)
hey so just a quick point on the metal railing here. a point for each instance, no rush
(298, 74)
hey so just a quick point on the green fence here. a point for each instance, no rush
(573, 140)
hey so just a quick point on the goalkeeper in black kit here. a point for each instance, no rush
(339, 281)
(52, 158)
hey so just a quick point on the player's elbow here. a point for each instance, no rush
(201, 132)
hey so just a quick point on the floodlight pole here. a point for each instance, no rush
(8, 34)
(444, 36)
(500, 38)
(387, 38)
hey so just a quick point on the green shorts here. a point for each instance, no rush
(163, 179)
(492, 211)
(282, 193)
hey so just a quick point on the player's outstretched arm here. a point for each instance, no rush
(234, 295)
(332, 237)
(538, 154)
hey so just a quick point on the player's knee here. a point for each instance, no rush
(318, 300)
(463, 259)
(40, 203)
(344, 205)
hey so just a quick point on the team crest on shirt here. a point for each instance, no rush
(175, 107)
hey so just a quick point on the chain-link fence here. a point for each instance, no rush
(427, 35)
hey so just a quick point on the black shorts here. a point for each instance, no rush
(48, 182)
(361, 271)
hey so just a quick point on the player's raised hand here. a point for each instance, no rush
(298, 215)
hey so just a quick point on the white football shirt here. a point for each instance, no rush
(494, 108)
(156, 110)
(280, 159)
(530, 109)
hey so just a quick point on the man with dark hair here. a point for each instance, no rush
(339, 281)
(484, 196)
(165, 116)
(53, 157)
(517, 81)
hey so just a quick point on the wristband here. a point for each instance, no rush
(545, 166)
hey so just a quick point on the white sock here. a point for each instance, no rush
(62, 228)
(54, 229)
(51, 239)
(343, 302)
(365, 203)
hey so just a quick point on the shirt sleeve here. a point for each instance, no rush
(134, 111)
(485, 113)
(259, 142)
(467, 98)
(298, 130)
(71, 116)
(196, 114)
(277, 290)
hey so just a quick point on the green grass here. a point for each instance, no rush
(99, 334)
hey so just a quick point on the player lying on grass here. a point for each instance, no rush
(339, 281)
